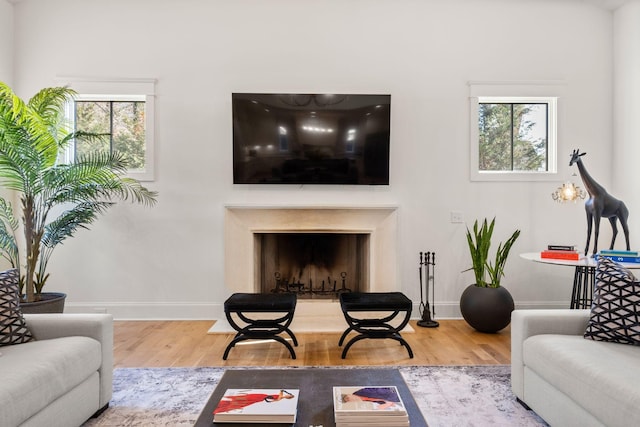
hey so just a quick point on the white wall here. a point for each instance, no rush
(168, 261)
(6, 42)
(626, 172)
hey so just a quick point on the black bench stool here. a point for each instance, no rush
(395, 302)
(247, 306)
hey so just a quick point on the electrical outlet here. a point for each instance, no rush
(457, 217)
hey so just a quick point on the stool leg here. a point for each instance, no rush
(293, 337)
(228, 349)
(344, 335)
(286, 344)
(350, 343)
(405, 344)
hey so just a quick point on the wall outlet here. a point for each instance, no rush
(457, 217)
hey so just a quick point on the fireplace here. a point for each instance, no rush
(312, 265)
(372, 230)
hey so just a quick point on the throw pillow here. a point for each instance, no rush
(13, 328)
(615, 312)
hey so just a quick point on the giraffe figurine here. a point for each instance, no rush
(600, 204)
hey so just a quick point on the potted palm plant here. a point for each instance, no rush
(55, 198)
(486, 305)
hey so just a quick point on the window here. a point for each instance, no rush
(123, 110)
(513, 138)
(122, 120)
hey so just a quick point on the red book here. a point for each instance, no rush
(569, 255)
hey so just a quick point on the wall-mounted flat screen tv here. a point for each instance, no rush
(311, 139)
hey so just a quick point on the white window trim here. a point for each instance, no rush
(515, 92)
(93, 89)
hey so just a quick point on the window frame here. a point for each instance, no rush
(520, 93)
(141, 90)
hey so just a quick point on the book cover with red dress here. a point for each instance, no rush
(257, 406)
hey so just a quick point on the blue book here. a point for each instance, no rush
(618, 258)
(619, 252)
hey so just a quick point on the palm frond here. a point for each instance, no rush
(50, 103)
(96, 176)
(80, 135)
(8, 226)
(71, 220)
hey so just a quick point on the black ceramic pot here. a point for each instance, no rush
(486, 309)
(51, 302)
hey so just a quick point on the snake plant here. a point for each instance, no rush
(479, 244)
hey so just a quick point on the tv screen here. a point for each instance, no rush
(311, 139)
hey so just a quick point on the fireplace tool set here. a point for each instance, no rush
(426, 270)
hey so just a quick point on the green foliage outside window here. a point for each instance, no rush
(513, 137)
(122, 121)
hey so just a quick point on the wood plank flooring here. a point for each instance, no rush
(187, 344)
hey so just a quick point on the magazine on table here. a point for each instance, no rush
(361, 401)
(257, 406)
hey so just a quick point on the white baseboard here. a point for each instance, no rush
(151, 311)
(212, 311)
(451, 309)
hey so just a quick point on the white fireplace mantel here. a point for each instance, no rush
(243, 221)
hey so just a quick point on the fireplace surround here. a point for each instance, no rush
(244, 224)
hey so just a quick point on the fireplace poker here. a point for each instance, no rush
(427, 321)
(421, 306)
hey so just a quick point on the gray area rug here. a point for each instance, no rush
(447, 396)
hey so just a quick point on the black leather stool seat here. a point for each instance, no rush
(246, 307)
(390, 303)
(261, 302)
(373, 301)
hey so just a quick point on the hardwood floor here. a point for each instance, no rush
(187, 344)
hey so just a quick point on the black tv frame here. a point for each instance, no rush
(312, 139)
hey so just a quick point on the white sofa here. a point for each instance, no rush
(569, 380)
(63, 377)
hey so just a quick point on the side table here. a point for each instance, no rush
(583, 276)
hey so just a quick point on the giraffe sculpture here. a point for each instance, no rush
(600, 204)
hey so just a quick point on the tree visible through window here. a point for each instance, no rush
(513, 136)
(122, 121)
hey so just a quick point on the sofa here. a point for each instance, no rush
(569, 380)
(61, 378)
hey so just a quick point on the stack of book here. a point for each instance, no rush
(621, 256)
(566, 252)
(257, 406)
(375, 406)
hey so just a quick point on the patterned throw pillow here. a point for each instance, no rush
(13, 328)
(615, 312)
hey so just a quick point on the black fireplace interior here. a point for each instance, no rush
(313, 265)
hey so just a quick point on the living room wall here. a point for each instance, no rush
(6, 42)
(168, 261)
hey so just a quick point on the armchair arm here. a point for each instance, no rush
(526, 323)
(97, 326)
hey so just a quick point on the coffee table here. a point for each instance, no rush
(315, 406)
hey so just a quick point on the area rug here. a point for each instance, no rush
(447, 396)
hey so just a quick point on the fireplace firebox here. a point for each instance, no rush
(313, 265)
